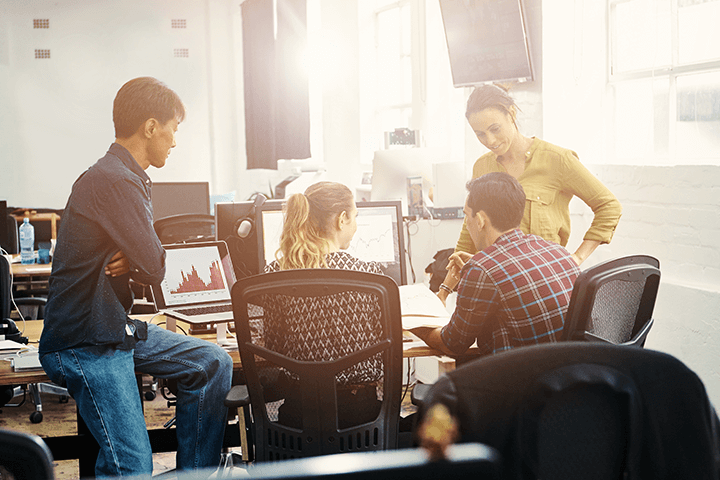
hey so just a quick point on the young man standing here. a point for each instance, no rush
(515, 291)
(89, 343)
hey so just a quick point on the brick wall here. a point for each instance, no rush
(672, 213)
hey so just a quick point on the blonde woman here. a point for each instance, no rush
(318, 226)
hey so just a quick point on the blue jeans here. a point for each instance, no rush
(101, 379)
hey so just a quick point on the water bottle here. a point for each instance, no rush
(27, 242)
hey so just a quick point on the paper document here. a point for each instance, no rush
(8, 346)
(420, 307)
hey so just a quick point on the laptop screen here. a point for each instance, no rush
(196, 274)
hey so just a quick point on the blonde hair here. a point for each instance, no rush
(310, 219)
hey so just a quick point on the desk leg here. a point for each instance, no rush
(88, 455)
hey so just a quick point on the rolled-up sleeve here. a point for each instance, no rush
(579, 181)
(477, 302)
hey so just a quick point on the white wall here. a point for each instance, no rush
(671, 212)
(57, 112)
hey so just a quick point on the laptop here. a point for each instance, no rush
(197, 283)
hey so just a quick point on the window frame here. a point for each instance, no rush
(671, 72)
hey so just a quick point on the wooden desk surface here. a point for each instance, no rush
(33, 329)
(32, 270)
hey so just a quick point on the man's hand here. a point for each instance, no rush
(118, 265)
(438, 431)
(456, 262)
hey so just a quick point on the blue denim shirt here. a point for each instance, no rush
(109, 210)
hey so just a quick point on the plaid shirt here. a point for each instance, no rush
(513, 293)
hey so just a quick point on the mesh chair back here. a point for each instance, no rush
(326, 343)
(185, 228)
(613, 301)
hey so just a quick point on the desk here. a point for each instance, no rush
(30, 278)
(82, 446)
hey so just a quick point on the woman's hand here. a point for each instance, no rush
(586, 248)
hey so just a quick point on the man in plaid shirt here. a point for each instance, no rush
(515, 291)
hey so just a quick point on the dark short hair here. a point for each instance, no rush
(489, 96)
(500, 196)
(143, 98)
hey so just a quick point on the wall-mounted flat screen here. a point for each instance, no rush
(487, 41)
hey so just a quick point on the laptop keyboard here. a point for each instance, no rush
(205, 310)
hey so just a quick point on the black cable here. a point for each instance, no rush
(407, 385)
(408, 248)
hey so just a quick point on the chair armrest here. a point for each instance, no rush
(419, 393)
(30, 300)
(590, 337)
(238, 396)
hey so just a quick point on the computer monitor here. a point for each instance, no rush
(174, 198)
(392, 168)
(235, 225)
(4, 227)
(379, 236)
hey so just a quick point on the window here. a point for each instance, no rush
(392, 69)
(665, 73)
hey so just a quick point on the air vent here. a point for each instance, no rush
(41, 23)
(182, 53)
(178, 23)
(42, 53)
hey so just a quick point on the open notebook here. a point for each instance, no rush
(196, 287)
(420, 307)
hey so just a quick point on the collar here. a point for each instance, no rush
(509, 237)
(129, 161)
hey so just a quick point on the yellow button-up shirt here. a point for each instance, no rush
(552, 176)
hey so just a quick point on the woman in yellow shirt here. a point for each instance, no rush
(550, 176)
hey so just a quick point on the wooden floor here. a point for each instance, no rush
(60, 419)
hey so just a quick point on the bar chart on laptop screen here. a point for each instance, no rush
(197, 276)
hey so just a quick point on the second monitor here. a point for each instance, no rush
(379, 236)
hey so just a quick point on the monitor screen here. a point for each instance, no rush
(393, 168)
(235, 225)
(486, 41)
(174, 198)
(379, 236)
(4, 228)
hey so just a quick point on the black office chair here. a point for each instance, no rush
(24, 456)
(463, 461)
(312, 377)
(471, 461)
(613, 301)
(13, 242)
(185, 228)
(579, 410)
